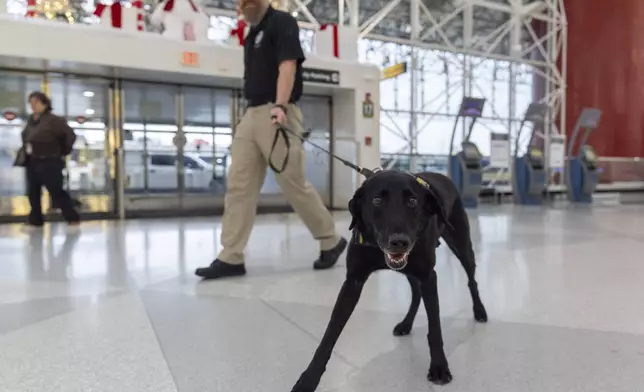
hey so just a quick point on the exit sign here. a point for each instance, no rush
(190, 59)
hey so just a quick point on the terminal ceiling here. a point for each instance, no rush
(397, 23)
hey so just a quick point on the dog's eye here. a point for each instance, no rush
(377, 201)
(412, 202)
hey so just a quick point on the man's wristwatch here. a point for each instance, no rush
(281, 107)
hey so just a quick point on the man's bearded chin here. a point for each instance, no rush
(253, 11)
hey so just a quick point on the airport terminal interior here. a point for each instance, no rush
(523, 104)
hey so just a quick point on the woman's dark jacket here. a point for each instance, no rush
(50, 136)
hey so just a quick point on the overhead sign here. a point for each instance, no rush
(499, 150)
(472, 107)
(325, 76)
(589, 118)
(536, 112)
(190, 59)
(394, 70)
(557, 153)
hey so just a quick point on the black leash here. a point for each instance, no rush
(284, 131)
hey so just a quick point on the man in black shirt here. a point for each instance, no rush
(273, 60)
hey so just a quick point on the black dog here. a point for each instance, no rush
(397, 221)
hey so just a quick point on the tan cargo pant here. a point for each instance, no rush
(250, 150)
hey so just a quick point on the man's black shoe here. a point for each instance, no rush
(219, 269)
(328, 258)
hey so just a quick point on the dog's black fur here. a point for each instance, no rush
(420, 209)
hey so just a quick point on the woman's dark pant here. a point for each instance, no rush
(48, 172)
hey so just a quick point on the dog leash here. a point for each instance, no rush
(283, 131)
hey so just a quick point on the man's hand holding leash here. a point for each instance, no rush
(278, 115)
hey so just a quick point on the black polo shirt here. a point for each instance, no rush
(275, 39)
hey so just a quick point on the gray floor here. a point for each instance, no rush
(116, 308)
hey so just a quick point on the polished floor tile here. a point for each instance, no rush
(116, 308)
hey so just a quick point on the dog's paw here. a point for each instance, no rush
(402, 329)
(480, 314)
(305, 384)
(439, 374)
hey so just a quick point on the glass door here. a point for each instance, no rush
(151, 158)
(84, 102)
(206, 154)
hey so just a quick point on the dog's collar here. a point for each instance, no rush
(419, 180)
(359, 239)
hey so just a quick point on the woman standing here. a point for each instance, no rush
(46, 140)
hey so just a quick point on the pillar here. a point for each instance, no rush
(606, 70)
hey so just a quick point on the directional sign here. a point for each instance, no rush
(394, 70)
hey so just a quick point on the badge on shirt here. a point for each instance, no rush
(258, 39)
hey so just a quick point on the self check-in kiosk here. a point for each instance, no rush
(581, 170)
(529, 177)
(465, 168)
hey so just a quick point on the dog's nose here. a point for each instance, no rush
(399, 242)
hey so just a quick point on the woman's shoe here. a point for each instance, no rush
(30, 227)
(73, 226)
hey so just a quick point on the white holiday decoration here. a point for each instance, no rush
(182, 20)
(337, 41)
(124, 16)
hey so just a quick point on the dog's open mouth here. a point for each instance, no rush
(396, 261)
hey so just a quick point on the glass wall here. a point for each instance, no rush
(83, 102)
(176, 143)
(441, 80)
(152, 139)
(208, 131)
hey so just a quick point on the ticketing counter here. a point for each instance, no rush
(119, 58)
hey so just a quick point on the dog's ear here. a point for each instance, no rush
(355, 205)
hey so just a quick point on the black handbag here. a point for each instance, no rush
(21, 158)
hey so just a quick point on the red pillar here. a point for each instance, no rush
(606, 71)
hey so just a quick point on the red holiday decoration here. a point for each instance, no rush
(240, 30)
(336, 48)
(116, 13)
(169, 6)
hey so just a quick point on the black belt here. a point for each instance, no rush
(255, 102)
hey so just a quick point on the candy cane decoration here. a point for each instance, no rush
(138, 4)
(31, 9)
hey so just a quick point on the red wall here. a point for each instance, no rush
(606, 71)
